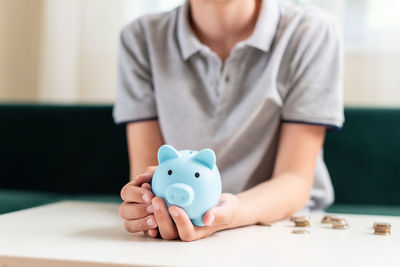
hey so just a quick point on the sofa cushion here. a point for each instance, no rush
(12, 200)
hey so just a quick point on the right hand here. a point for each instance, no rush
(136, 209)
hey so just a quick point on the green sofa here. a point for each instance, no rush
(58, 152)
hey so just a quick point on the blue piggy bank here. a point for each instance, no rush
(188, 179)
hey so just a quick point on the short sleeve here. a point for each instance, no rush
(314, 82)
(135, 99)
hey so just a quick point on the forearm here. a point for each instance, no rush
(144, 139)
(273, 200)
(289, 188)
(140, 160)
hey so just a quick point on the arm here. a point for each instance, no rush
(289, 188)
(144, 139)
(286, 192)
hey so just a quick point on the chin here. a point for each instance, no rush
(213, 1)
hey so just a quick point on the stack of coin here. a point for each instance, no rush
(339, 223)
(382, 228)
(328, 218)
(301, 221)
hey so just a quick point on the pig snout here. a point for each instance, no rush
(180, 194)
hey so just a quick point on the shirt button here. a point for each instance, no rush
(227, 78)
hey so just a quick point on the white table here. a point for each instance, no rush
(92, 234)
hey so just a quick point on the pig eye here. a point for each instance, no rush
(169, 172)
(197, 175)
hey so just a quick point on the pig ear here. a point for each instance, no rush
(206, 157)
(167, 152)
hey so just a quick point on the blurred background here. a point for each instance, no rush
(65, 51)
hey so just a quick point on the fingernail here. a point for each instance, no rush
(146, 198)
(156, 206)
(174, 213)
(150, 222)
(149, 209)
(211, 220)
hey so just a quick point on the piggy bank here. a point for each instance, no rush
(188, 179)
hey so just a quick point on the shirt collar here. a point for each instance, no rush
(261, 38)
(188, 42)
(266, 26)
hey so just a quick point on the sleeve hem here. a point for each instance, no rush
(337, 120)
(330, 127)
(124, 122)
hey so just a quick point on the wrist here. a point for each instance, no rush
(246, 213)
(241, 215)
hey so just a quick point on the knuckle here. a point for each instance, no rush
(129, 211)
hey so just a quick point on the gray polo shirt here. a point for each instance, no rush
(289, 70)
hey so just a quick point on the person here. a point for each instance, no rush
(256, 81)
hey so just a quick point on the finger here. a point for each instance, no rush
(130, 193)
(219, 215)
(185, 227)
(142, 178)
(132, 211)
(165, 224)
(151, 233)
(146, 186)
(142, 224)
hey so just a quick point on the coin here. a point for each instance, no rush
(303, 224)
(327, 218)
(300, 218)
(382, 233)
(338, 221)
(381, 224)
(382, 228)
(301, 221)
(297, 231)
(340, 226)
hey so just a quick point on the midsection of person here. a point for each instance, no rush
(239, 104)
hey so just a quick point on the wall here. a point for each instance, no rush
(20, 23)
(66, 50)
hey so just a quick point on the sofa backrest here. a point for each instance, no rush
(78, 149)
(363, 158)
(66, 149)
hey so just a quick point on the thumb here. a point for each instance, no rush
(218, 215)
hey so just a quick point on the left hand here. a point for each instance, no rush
(222, 216)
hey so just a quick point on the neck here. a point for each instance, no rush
(221, 24)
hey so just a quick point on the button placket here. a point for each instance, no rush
(213, 79)
(223, 81)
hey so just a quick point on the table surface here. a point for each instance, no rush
(92, 233)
